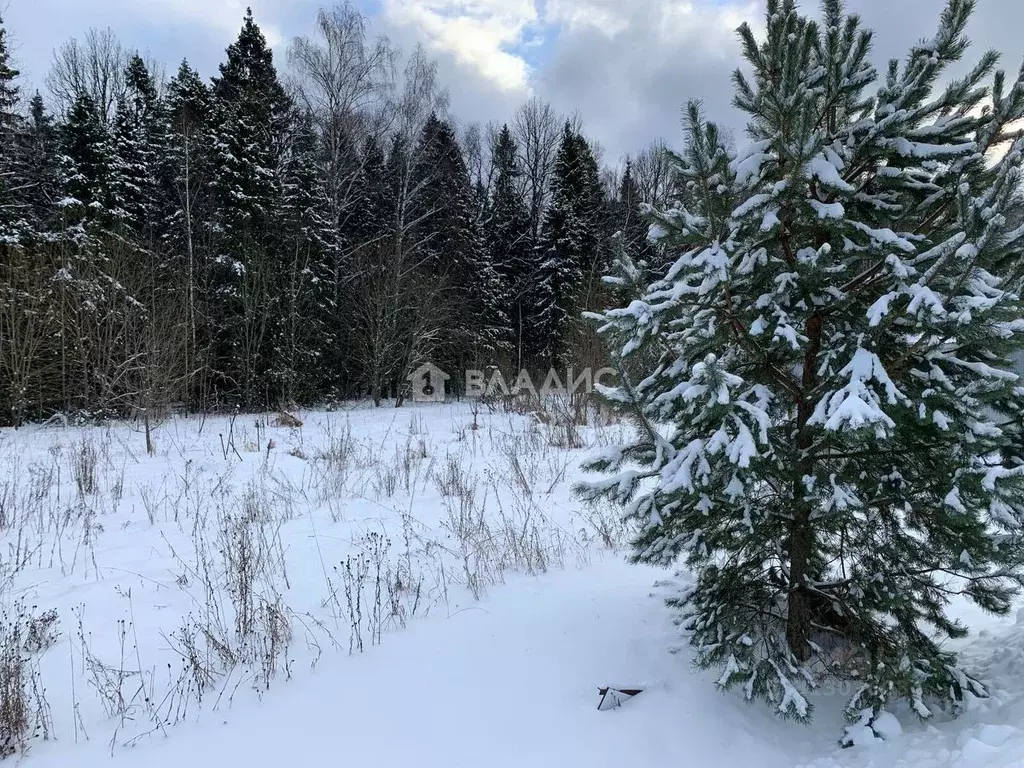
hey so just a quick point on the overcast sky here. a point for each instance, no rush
(627, 66)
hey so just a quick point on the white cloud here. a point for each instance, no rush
(490, 35)
(715, 25)
(629, 67)
(610, 17)
(477, 33)
(600, 56)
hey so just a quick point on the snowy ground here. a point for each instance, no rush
(387, 586)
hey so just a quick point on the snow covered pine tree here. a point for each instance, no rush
(831, 436)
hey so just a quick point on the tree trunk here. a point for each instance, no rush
(798, 619)
(150, 449)
(801, 533)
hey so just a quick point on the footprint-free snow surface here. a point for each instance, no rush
(386, 588)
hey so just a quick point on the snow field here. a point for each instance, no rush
(241, 554)
(388, 588)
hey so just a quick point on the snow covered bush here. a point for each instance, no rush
(831, 433)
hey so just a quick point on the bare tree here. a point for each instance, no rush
(187, 189)
(536, 128)
(26, 328)
(611, 179)
(256, 294)
(399, 315)
(101, 326)
(166, 374)
(349, 84)
(346, 81)
(401, 308)
(187, 131)
(477, 143)
(652, 174)
(94, 66)
(421, 95)
(340, 71)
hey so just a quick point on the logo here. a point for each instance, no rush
(427, 383)
(478, 384)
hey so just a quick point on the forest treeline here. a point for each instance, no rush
(273, 237)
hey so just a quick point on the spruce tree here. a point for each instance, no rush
(101, 316)
(250, 121)
(9, 92)
(629, 222)
(368, 214)
(569, 246)
(185, 172)
(185, 212)
(139, 149)
(831, 434)
(303, 330)
(507, 231)
(188, 113)
(251, 111)
(12, 182)
(442, 197)
(451, 244)
(39, 163)
(396, 192)
(85, 160)
(341, 165)
(364, 225)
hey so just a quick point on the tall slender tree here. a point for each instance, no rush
(629, 219)
(451, 245)
(570, 245)
(303, 331)
(251, 114)
(38, 150)
(138, 149)
(12, 179)
(507, 231)
(185, 212)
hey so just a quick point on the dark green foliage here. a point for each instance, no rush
(303, 328)
(830, 433)
(568, 257)
(39, 154)
(236, 243)
(139, 147)
(11, 160)
(629, 220)
(250, 118)
(86, 159)
(450, 244)
(507, 232)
